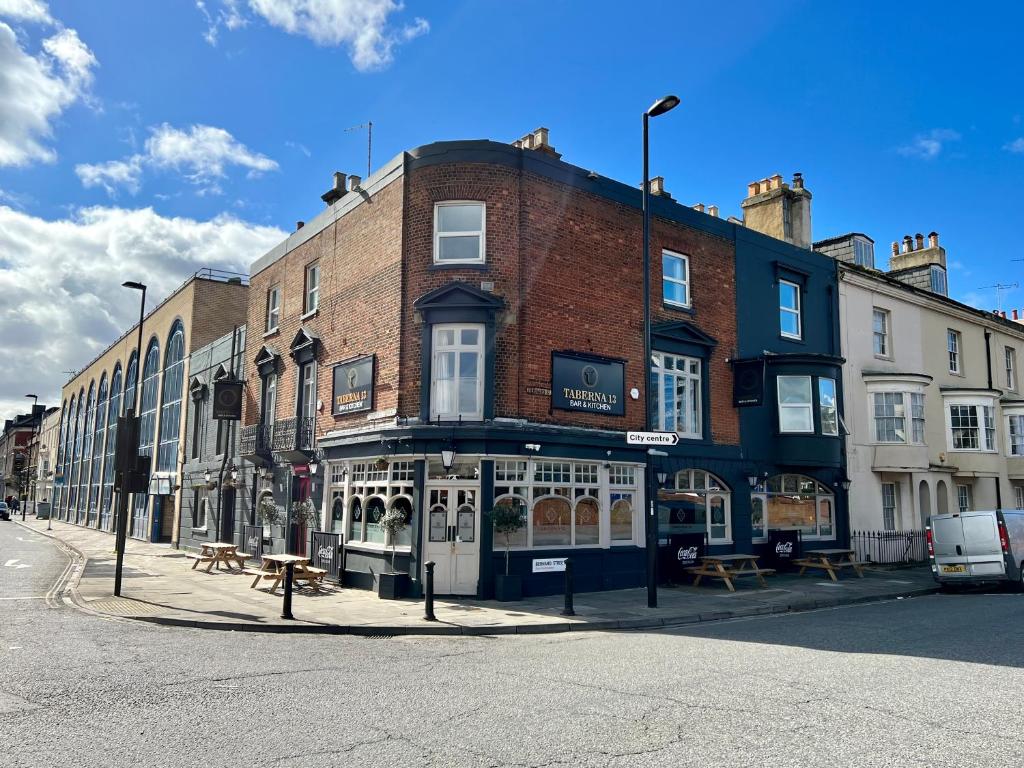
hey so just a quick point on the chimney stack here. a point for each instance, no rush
(299, 225)
(713, 211)
(537, 140)
(337, 190)
(776, 209)
(354, 182)
(1015, 316)
(699, 207)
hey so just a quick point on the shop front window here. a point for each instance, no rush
(365, 489)
(698, 503)
(794, 502)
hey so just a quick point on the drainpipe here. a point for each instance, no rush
(988, 355)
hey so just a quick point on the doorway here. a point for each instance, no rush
(453, 541)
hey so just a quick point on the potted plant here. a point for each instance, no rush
(305, 513)
(508, 519)
(393, 585)
(270, 513)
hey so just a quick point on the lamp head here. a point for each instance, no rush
(134, 285)
(663, 105)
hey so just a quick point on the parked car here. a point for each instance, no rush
(5, 511)
(977, 547)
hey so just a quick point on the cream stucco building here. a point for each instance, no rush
(934, 400)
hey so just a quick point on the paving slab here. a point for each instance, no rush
(159, 586)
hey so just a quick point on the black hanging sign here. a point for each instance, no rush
(587, 383)
(227, 400)
(353, 386)
(747, 383)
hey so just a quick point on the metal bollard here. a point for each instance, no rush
(568, 610)
(428, 607)
(289, 575)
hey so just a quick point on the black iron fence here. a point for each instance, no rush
(890, 547)
(325, 552)
(252, 542)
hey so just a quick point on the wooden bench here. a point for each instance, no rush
(199, 559)
(830, 561)
(723, 567)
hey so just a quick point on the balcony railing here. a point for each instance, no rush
(257, 439)
(294, 434)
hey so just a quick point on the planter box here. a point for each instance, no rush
(508, 588)
(392, 586)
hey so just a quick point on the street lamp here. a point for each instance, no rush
(129, 419)
(35, 400)
(660, 107)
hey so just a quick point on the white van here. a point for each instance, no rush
(977, 547)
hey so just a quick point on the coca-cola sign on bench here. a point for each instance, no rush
(783, 548)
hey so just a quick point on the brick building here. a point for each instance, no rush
(462, 331)
(205, 307)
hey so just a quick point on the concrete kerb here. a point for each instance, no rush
(70, 576)
(71, 597)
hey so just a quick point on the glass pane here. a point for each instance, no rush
(674, 293)
(622, 517)
(438, 524)
(467, 524)
(683, 513)
(795, 420)
(587, 522)
(461, 248)
(467, 397)
(788, 296)
(795, 389)
(790, 323)
(445, 337)
(468, 364)
(792, 512)
(551, 523)
(460, 218)
(374, 513)
(825, 508)
(672, 266)
(514, 538)
(757, 516)
(469, 336)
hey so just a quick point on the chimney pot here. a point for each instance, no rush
(777, 181)
(541, 137)
(699, 207)
(713, 210)
(339, 181)
(933, 239)
(753, 188)
(798, 180)
(299, 225)
(354, 182)
(908, 244)
(919, 238)
(1015, 315)
(895, 248)
(1002, 314)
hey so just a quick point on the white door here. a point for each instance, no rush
(453, 538)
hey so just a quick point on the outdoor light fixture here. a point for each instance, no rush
(754, 480)
(845, 483)
(206, 476)
(313, 467)
(447, 458)
(662, 477)
(663, 105)
(234, 473)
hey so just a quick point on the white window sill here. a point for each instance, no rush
(203, 531)
(791, 337)
(311, 313)
(798, 432)
(677, 305)
(972, 450)
(366, 546)
(459, 262)
(272, 332)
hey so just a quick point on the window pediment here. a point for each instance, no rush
(305, 345)
(267, 360)
(681, 331)
(458, 302)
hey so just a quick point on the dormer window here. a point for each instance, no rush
(938, 280)
(863, 253)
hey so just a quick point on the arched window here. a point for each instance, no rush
(404, 505)
(87, 444)
(170, 408)
(147, 422)
(552, 522)
(113, 411)
(76, 471)
(338, 514)
(61, 453)
(699, 503)
(130, 380)
(98, 448)
(355, 517)
(375, 507)
(516, 538)
(795, 502)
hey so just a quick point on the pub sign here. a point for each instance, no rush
(353, 386)
(587, 383)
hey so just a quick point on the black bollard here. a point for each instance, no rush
(428, 608)
(289, 575)
(568, 610)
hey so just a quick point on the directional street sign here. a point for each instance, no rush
(651, 438)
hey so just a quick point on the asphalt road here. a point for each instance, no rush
(930, 681)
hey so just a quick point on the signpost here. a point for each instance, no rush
(651, 438)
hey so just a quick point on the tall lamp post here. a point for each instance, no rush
(35, 400)
(660, 107)
(132, 443)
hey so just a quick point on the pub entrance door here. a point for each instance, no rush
(453, 541)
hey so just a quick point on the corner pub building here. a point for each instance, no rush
(463, 330)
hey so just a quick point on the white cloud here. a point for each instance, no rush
(35, 90)
(1016, 146)
(201, 152)
(363, 26)
(61, 280)
(929, 145)
(26, 10)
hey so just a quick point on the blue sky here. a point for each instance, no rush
(158, 137)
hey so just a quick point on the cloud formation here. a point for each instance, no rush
(26, 10)
(36, 89)
(929, 145)
(201, 153)
(1016, 146)
(363, 26)
(61, 280)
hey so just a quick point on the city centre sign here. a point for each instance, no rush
(651, 438)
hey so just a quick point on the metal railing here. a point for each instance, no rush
(890, 547)
(256, 439)
(294, 434)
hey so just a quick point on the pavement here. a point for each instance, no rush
(159, 586)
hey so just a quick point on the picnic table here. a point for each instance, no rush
(274, 567)
(831, 561)
(729, 567)
(216, 552)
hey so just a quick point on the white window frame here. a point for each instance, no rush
(899, 415)
(685, 282)
(1015, 433)
(273, 318)
(684, 482)
(984, 416)
(890, 505)
(481, 233)
(694, 405)
(1010, 360)
(963, 498)
(882, 349)
(798, 311)
(954, 350)
(1018, 496)
(311, 293)
(458, 348)
(808, 406)
(834, 408)
(203, 515)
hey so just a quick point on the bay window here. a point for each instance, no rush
(676, 394)
(456, 371)
(795, 406)
(827, 411)
(971, 425)
(1015, 434)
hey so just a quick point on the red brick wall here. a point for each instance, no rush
(567, 265)
(359, 313)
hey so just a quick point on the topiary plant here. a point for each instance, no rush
(394, 522)
(508, 519)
